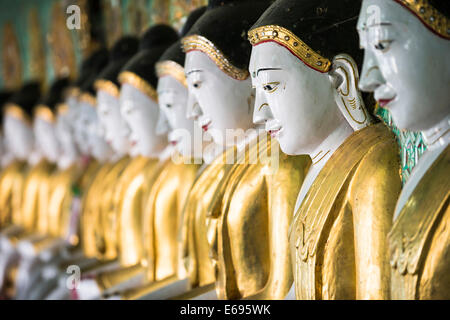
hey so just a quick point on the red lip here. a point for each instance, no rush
(273, 132)
(173, 142)
(384, 102)
(206, 126)
(133, 143)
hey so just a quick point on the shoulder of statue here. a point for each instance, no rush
(419, 217)
(380, 164)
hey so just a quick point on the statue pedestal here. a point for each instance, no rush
(291, 294)
(172, 289)
(207, 292)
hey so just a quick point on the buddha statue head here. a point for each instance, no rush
(17, 127)
(79, 111)
(406, 59)
(138, 96)
(115, 129)
(5, 153)
(217, 57)
(44, 122)
(304, 68)
(65, 135)
(89, 132)
(173, 94)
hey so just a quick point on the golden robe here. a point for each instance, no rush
(254, 216)
(135, 182)
(339, 235)
(36, 196)
(11, 193)
(420, 238)
(161, 224)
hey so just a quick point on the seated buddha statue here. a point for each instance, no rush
(139, 108)
(304, 63)
(406, 45)
(41, 184)
(162, 217)
(19, 137)
(227, 254)
(6, 154)
(116, 133)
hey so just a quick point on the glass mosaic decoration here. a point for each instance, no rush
(411, 144)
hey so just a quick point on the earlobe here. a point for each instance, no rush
(344, 77)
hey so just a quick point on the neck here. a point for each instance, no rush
(209, 153)
(326, 148)
(35, 157)
(66, 161)
(243, 141)
(439, 135)
(165, 154)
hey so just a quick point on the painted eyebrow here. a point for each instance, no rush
(192, 71)
(380, 24)
(266, 69)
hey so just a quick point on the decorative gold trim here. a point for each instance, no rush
(171, 68)
(88, 98)
(44, 112)
(107, 86)
(141, 84)
(62, 108)
(72, 91)
(16, 111)
(202, 44)
(290, 41)
(431, 17)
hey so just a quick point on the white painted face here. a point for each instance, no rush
(19, 137)
(405, 65)
(91, 138)
(65, 135)
(172, 98)
(216, 100)
(295, 102)
(115, 129)
(141, 114)
(46, 140)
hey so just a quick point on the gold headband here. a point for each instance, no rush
(139, 83)
(202, 44)
(44, 112)
(432, 18)
(290, 41)
(17, 112)
(108, 86)
(72, 91)
(88, 98)
(62, 108)
(171, 68)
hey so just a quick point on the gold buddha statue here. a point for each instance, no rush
(306, 72)
(232, 240)
(138, 106)
(416, 94)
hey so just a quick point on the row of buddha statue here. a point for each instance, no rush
(293, 190)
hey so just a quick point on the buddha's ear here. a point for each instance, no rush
(344, 76)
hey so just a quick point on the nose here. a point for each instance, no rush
(126, 132)
(162, 126)
(193, 109)
(261, 111)
(371, 76)
(102, 129)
